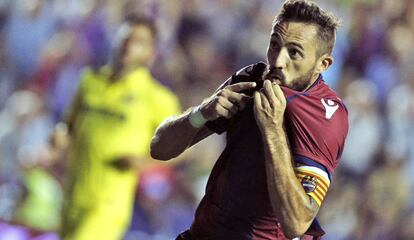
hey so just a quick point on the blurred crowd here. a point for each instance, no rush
(44, 45)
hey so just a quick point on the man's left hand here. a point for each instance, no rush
(269, 106)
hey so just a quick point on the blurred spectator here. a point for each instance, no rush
(383, 202)
(67, 57)
(400, 110)
(18, 232)
(340, 215)
(7, 84)
(31, 24)
(364, 137)
(41, 207)
(164, 205)
(24, 148)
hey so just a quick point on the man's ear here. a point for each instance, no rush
(324, 62)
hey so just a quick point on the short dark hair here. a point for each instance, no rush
(309, 12)
(139, 19)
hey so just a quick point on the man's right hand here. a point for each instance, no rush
(227, 101)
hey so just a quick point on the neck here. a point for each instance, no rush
(120, 70)
(314, 79)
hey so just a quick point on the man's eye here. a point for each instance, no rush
(274, 44)
(294, 53)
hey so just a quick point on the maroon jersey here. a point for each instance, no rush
(237, 205)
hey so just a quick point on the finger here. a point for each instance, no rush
(239, 87)
(245, 97)
(223, 112)
(230, 106)
(239, 98)
(279, 93)
(264, 100)
(268, 91)
(257, 101)
(242, 104)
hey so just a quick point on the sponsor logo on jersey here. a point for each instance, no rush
(330, 107)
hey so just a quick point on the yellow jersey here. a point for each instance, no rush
(114, 119)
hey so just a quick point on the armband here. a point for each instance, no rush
(314, 181)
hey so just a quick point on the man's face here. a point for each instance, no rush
(292, 55)
(138, 46)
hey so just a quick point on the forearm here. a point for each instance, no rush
(174, 136)
(177, 134)
(293, 207)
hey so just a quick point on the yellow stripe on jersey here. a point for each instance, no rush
(314, 180)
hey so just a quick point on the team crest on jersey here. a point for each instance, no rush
(309, 183)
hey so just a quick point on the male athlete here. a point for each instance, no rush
(283, 142)
(112, 120)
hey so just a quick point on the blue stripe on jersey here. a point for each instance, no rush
(316, 82)
(293, 97)
(309, 162)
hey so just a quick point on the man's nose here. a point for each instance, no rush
(282, 59)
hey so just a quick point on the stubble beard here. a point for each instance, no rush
(302, 83)
(299, 84)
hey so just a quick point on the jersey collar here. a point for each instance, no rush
(320, 78)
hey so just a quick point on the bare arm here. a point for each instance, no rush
(293, 207)
(177, 134)
(174, 136)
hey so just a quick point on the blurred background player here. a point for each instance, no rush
(109, 127)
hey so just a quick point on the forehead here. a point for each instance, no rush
(299, 32)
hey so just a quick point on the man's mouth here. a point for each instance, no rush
(275, 75)
(274, 78)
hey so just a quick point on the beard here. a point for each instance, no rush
(299, 84)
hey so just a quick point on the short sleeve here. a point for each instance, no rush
(316, 130)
